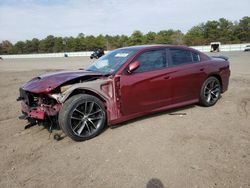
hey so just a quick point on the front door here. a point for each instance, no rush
(149, 86)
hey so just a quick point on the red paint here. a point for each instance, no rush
(133, 66)
(37, 114)
(47, 82)
(41, 111)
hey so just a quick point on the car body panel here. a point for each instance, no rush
(145, 91)
(185, 80)
(108, 95)
(47, 82)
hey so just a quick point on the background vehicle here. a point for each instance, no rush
(124, 84)
(215, 46)
(247, 48)
(97, 54)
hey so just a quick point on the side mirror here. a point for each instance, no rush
(133, 66)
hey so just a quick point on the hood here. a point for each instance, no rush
(47, 82)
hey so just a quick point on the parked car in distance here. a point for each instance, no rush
(247, 48)
(124, 84)
(215, 46)
(97, 54)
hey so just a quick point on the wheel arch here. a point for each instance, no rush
(86, 91)
(216, 76)
(95, 89)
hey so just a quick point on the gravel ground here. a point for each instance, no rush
(208, 147)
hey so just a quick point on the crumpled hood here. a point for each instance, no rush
(47, 82)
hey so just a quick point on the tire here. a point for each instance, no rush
(82, 117)
(210, 92)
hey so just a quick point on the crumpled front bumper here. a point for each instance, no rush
(40, 112)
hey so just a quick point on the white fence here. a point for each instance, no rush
(223, 47)
(46, 55)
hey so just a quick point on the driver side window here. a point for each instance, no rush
(151, 60)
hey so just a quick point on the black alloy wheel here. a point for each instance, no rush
(82, 117)
(210, 91)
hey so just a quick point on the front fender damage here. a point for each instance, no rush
(44, 108)
(104, 90)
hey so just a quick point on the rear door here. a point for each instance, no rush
(188, 74)
(148, 87)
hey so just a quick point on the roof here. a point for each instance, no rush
(141, 47)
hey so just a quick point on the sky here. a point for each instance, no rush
(27, 19)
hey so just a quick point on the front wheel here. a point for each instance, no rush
(210, 91)
(82, 117)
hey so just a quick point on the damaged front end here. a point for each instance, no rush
(39, 109)
(43, 97)
(40, 96)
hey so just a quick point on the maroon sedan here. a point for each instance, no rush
(125, 83)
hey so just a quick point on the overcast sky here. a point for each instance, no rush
(27, 19)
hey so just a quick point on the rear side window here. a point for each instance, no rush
(180, 56)
(151, 60)
(195, 57)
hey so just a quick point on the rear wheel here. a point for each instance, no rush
(82, 117)
(210, 91)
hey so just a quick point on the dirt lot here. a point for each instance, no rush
(208, 147)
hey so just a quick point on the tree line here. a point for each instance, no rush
(221, 30)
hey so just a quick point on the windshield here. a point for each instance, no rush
(112, 61)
